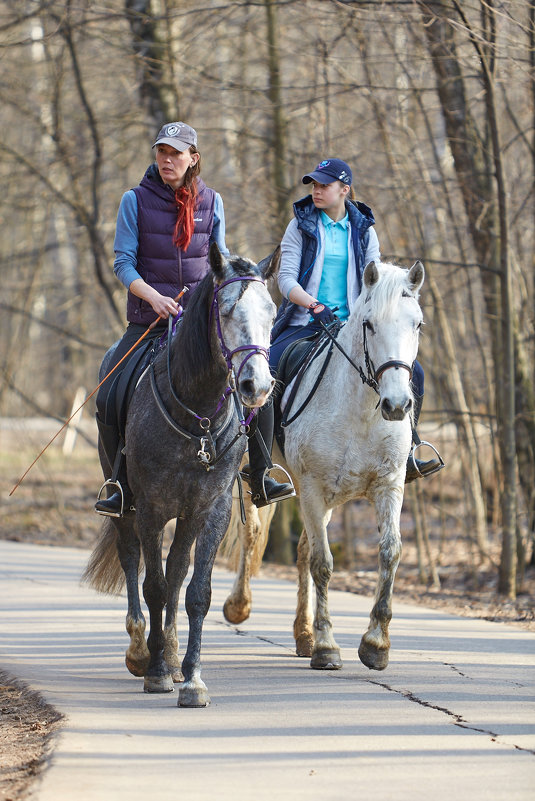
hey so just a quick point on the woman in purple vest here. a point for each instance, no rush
(163, 234)
(162, 240)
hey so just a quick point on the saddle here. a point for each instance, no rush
(292, 358)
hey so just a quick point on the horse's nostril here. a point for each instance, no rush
(386, 406)
(247, 387)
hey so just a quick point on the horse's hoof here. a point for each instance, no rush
(137, 667)
(193, 697)
(304, 645)
(326, 659)
(158, 684)
(374, 658)
(236, 613)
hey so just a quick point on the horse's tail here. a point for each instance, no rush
(258, 521)
(104, 572)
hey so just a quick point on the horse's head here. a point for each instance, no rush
(244, 314)
(391, 319)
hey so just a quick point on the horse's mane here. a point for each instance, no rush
(387, 292)
(192, 341)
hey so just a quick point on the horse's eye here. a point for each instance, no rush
(369, 326)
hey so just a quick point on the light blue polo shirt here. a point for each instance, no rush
(332, 290)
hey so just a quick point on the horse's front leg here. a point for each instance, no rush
(150, 527)
(193, 692)
(326, 653)
(128, 548)
(303, 623)
(252, 538)
(177, 565)
(375, 644)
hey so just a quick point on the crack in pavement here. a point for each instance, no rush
(242, 633)
(408, 694)
(458, 719)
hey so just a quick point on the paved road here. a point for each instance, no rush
(452, 717)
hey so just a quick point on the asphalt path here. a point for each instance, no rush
(452, 717)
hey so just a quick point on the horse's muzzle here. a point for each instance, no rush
(395, 411)
(254, 394)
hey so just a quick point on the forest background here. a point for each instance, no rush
(432, 103)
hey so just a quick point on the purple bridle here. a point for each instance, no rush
(252, 350)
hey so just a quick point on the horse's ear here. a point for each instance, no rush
(416, 276)
(370, 275)
(217, 261)
(270, 265)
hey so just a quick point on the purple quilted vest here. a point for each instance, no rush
(159, 262)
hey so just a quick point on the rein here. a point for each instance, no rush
(207, 440)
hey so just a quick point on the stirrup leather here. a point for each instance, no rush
(264, 497)
(415, 447)
(117, 486)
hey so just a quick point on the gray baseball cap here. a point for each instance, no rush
(178, 135)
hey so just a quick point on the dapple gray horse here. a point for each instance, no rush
(185, 437)
(351, 440)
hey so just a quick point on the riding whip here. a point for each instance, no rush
(66, 423)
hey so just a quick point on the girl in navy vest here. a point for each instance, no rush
(323, 255)
(164, 230)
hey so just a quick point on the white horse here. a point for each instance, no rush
(351, 440)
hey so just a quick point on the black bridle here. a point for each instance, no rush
(207, 440)
(372, 375)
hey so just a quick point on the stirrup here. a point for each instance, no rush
(414, 448)
(263, 496)
(118, 488)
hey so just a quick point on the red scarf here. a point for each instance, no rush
(186, 199)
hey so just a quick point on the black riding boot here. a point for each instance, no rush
(415, 467)
(264, 489)
(121, 500)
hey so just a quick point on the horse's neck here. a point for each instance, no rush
(198, 386)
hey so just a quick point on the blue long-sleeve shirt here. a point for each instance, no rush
(127, 236)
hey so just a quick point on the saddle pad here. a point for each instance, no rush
(127, 381)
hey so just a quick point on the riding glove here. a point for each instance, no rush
(321, 313)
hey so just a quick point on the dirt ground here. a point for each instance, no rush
(53, 506)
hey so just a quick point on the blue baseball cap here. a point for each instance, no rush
(328, 171)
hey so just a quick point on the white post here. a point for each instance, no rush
(70, 434)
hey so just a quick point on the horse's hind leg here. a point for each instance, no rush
(114, 560)
(375, 644)
(252, 542)
(128, 548)
(303, 628)
(150, 527)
